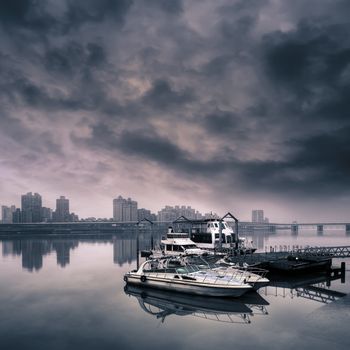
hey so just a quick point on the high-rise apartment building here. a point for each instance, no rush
(6, 214)
(46, 214)
(124, 209)
(118, 208)
(31, 207)
(17, 216)
(258, 216)
(62, 210)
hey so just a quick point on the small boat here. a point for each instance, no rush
(172, 276)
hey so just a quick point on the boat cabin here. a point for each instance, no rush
(176, 243)
(207, 235)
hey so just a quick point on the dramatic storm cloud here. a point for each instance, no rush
(222, 105)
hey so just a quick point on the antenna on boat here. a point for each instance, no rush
(137, 239)
(229, 215)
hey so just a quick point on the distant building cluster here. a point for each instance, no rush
(146, 214)
(126, 210)
(169, 213)
(258, 216)
(32, 211)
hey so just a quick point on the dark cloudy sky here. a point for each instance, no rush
(222, 105)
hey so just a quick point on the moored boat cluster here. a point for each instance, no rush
(189, 262)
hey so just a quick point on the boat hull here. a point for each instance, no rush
(194, 287)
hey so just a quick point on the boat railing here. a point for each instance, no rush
(213, 277)
(224, 317)
(192, 272)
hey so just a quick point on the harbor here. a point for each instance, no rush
(217, 240)
(91, 269)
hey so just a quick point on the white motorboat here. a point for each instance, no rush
(173, 276)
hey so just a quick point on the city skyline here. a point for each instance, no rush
(223, 106)
(124, 210)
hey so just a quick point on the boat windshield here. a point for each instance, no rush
(187, 269)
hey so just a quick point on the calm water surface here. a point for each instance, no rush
(61, 293)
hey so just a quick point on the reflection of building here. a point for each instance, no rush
(6, 214)
(31, 207)
(169, 213)
(258, 216)
(11, 248)
(33, 251)
(124, 209)
(62, 249)
(124, 250)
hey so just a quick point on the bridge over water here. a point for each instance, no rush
(293, 227)
(113, 227)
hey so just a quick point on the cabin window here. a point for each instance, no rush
(217, 235)
(228, 239)
(216, 225)
(201, 238)
(208, 225)
(169, 247)
(177, 248)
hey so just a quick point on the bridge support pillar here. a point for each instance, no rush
(347, 228)
(272, 228)
(319, 229)
(295, 229)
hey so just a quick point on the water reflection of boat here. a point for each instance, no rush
(161, 304)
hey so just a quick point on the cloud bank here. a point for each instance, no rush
(225, 105)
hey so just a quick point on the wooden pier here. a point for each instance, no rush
(297, 261)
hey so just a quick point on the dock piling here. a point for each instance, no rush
(342, 272)
(295, 229)
(319, 229)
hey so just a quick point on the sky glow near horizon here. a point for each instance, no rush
(221, 105)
